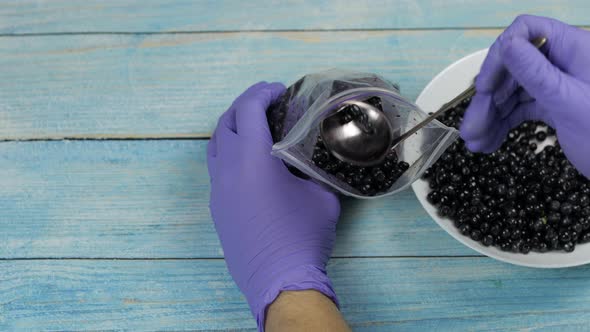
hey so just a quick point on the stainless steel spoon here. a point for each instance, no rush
(369, 137)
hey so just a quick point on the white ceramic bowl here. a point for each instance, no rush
(440, 90)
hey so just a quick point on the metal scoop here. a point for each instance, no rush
(369, 137)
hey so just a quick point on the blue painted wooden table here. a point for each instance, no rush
(105, 111)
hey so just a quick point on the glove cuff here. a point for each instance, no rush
(305, 277)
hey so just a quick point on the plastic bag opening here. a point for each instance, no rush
(295, 126)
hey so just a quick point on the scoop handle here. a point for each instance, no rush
(468, 93)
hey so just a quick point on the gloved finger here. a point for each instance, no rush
(249, 91)
(497, 133)
(228, 120)
(519, 97)
(227, 143)
(479, 118)
(490, 142)
(212, 156)
(524, 97)
(505, 90)
(523, 112)
(492, 71)
(212, 146)
(527, 27)
(497, 136)
(539, 77)
(251, 118)
(530, 27)
(506, 107)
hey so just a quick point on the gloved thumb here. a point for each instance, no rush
(532, 70)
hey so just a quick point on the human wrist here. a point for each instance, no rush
(301, 278)
(306, 310)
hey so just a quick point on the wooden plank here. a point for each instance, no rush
(178, 85)
(34, 16)
(458, 294)
(149, 199)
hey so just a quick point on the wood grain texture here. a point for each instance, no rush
(34, 16)
(149, 199)
(459, 294)
(178, 85)
(136, 200)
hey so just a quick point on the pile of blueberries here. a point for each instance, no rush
(278, 111)
(518, 199)
(370, 181)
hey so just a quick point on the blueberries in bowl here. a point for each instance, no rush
(524, 197)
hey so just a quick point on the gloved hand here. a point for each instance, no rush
(277, 230)
(518, 82)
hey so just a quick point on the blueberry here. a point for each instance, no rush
(569, 246)
(565, 221)
(366, 188)
(511, 212)
(476, 235)
(511, 193)
(542, 247)
(565, 236)
(357, 179)
(448, 190)
(516, 246)
(379, 177)
(388, 183)
(539, 225)
(512, 222)
(555, 206)
(456, 178)
(484, 227)
(566, 209)
(495, 229)
(541, 136)
(584, 238)
(533, 147)
(516, 234)
(506, 246)
(465, 229)
(559, 195)
(531, 198)
(392, 156)
(434, 197)
(367, 179)
(554, 218)
(501, 189)
(488, 240)
(525, 248)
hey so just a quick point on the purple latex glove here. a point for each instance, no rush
(277, 230)
(518, 82)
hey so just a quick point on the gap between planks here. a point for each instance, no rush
(194, 32)
(220, 258)
(109, 137)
